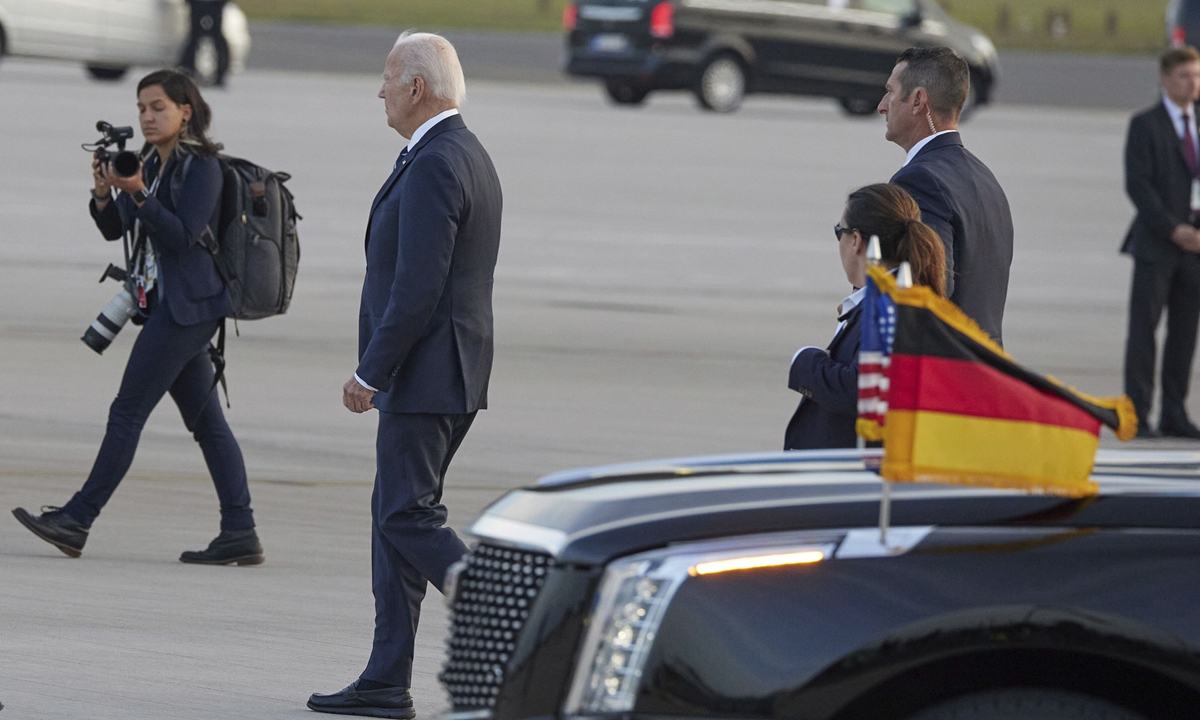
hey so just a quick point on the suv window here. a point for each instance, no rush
(903, 8)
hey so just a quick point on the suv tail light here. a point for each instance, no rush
(1178, 36)
(570, 16)
(662, 20)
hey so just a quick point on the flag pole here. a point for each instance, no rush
(875, 257)
(903, 280)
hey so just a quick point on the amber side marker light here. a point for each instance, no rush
(805, 557)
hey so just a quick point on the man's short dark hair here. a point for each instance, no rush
(1177, 56)
(942, 72)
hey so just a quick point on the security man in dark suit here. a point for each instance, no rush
(206, 23)
(425, 350)
(1162, 177)
(958, 195)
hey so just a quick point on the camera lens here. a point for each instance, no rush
(126, 163)
(110, 321)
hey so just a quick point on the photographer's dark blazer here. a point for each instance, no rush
(187, 275)
(425, 321)
(1159, 183)
(961, 200)
(829, 383)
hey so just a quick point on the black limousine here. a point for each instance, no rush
(758, 587)
(723, 49)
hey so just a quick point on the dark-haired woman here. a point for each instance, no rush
(828, 379)
(168, 206)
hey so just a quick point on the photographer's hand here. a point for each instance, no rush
(103, 190)
(128, 185)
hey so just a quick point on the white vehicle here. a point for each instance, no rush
(109, 36)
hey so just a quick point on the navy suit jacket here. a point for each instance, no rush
(829, 383)
(961, 200)
(187, 276)
(1159, 183)
(425, 321)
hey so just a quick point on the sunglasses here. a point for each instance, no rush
(839, 231)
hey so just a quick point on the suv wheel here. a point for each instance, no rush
(858, 106)
(103, 72)
(626, 92)
(722, 83)
(1025, 704)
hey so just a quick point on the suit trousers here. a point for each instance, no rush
(168, 357)
(410, 544)
(1174, 285)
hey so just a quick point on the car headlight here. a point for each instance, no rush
(632, 599)
(631, 602)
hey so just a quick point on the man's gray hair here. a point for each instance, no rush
(434, 59)
(944, 75)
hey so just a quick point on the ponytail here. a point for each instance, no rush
(891, 213)
(922, 249)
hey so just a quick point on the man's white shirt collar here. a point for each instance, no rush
(912, 153)
(425, 126)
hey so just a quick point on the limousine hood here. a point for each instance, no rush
(589, 516)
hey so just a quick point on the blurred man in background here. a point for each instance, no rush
(206, 23)
(1162, 178)
(958, 195)
(425, 350)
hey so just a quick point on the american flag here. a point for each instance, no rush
(874, 357)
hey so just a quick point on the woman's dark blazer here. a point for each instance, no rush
(829, 383)
(187, 276)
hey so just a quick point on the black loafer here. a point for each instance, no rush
(231, 546)
(1180, 430)
(55, 527)
(1145, 432)
(394, 702)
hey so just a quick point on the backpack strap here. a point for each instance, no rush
(216, 353)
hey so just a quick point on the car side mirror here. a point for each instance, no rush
(913, 19)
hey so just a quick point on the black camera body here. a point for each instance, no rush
(124, 162)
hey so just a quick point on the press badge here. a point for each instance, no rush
(1195, 195)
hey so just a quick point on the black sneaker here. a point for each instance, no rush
(55, 527)
(231, 546)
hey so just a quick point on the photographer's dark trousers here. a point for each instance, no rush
(206, 22)
(410, 544)
(173, 358)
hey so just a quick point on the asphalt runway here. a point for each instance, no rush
(658, 269)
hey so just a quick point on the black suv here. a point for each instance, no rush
(761, 587)
(723, 49)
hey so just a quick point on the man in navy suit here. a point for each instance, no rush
(1162, 178)
(425, 350)
(958, 195)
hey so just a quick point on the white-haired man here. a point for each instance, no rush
(425, 350)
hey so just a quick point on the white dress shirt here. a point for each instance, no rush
(1176, 114)
(844, 309)
(412, 142)
(912, 153)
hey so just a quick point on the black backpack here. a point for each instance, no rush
(256, 248)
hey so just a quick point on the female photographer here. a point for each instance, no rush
(182, 299)
(828, 379)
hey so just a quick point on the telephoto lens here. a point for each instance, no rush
(126, 163)
(110, 321)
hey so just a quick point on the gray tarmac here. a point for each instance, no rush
(658, 268)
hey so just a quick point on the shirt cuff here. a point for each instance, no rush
(360, 382)
(806, 347)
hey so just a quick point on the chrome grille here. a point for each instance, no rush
(491, 604)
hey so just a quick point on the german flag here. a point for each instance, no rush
(955, 408)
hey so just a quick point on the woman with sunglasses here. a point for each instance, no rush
(828, 379)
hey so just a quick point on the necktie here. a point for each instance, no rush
(1189, 148)
(404, 154)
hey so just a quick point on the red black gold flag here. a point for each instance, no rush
(952, 407)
